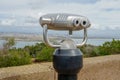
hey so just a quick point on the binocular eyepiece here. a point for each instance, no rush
(65, 21)
(62, 21)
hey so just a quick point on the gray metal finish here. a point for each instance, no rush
(68, 44)
(45, 37)
(68, 22)
(64, 21)
(46, 40)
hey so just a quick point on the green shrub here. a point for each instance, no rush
(32, 50)
(10, 56)
(89, 50)
(45, 54)
(15, 58)
(109, 48)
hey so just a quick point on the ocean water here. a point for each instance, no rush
(21, 44)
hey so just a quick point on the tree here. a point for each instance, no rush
(9, 43)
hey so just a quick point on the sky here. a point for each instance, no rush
(103, 14)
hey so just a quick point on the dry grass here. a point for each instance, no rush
(101, 68)
(97, 68)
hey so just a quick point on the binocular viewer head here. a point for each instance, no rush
(64, 22)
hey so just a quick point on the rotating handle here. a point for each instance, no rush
(46, 40)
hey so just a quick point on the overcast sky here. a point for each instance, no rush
(103, 14)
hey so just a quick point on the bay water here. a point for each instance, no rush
(21, 44)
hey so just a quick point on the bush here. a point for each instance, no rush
(108, 48)
(45, 54)
(33, 50)
(89, 50)
(10, 56)
(15, 58)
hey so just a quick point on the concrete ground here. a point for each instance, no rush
(95, 68)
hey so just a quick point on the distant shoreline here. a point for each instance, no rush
(39, 37)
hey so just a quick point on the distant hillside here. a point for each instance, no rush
(19, 36)
(33, 30)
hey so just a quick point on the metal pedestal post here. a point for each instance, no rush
(67, 77)
(67, 59)
(67, 62)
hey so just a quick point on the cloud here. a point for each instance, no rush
(74, 1)
(7, 22)
(106, 4)
(103, 14)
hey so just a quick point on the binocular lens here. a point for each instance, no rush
(76, 22)
(85, 23)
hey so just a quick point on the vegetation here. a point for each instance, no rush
(34, 49)
(45, 54)
(13, 57)
(107, 48)
(90, 50)
(10, 56)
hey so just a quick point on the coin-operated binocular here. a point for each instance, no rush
(67, 59)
